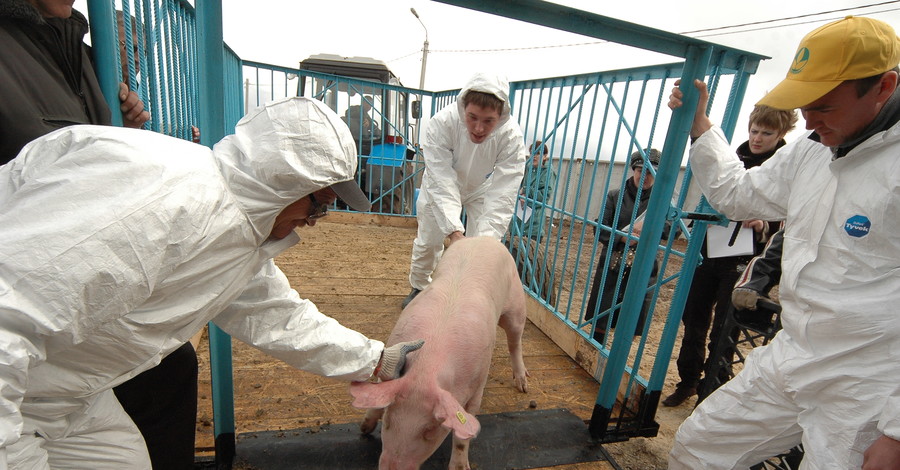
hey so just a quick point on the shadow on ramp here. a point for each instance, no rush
(514, 440)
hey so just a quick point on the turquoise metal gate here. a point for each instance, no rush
(589, 123)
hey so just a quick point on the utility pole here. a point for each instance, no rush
(421, 74)
(424, 50)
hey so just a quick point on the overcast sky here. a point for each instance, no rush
(462, 41)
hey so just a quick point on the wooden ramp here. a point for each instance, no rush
(354, 268)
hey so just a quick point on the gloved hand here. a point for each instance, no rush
(393, 359)
(744, 299)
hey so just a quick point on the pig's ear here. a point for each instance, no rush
(451, 414)
(370, 395)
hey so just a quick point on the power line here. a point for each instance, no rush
(716, 31)
(762, 28)
(794, 18)
(407, 55)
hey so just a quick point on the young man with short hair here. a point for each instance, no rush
(474, 160)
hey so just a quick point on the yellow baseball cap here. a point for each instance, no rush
(847, 49)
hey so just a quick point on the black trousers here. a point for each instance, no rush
(603, 292)
(710, 289)
(162, 402)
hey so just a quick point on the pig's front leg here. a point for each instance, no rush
(459, 456)
(370, 422)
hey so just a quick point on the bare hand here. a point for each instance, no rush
(133, 114)
(883, 454)
(195, 134)
(701, 122)
(456, 236)
(756, 224)
(635, 233)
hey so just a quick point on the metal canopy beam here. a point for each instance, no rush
(597, 26)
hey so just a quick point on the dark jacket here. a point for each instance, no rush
(764, 271)
(629, 199)
(47, 76)
(601, 297)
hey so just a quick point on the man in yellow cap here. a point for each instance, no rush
(830, 380)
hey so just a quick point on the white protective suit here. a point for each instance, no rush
(117, 245)
(831, 377)
(482, 178)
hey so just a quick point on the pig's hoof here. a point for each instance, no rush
(522, 384)
(367, 427)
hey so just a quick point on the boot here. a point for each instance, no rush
(679, 396)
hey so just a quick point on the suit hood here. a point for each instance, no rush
(496, 85)
(283, 151)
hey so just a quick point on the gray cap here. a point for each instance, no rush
(296, 146)
(352, 194)
(637, 160)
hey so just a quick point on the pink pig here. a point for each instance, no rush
(475, 286)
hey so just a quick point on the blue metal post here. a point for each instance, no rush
(696, 62)
(738, 90)
(105, 43)
(212, 129)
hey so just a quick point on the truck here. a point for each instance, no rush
(375, 106)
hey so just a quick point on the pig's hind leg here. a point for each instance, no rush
(512, 320)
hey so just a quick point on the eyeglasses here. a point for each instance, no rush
(318, 211)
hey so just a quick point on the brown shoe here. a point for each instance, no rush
(679, 396)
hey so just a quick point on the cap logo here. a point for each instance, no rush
(800, 60)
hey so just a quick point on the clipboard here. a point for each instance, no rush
(732, 240)
(523, 212)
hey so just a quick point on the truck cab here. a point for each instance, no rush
(371, 101)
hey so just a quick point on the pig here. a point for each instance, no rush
(475, 287)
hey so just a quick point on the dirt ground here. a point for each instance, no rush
(371, 260)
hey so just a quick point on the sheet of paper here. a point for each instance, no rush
(523, 212)
(721, 241)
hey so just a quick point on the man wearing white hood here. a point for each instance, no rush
(118, 245)
(474, 160)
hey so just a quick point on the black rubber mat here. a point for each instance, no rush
(517, 440)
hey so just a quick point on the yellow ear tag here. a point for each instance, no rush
(461, 417)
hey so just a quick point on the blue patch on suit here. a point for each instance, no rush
(857, 226)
